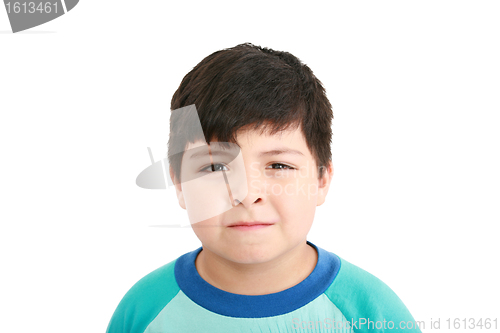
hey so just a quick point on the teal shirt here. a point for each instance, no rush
(336, 297)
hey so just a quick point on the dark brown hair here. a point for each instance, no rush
(256, 87)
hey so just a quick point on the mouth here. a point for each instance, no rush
(249, 225)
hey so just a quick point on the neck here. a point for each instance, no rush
(269, 277)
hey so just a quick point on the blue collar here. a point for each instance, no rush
(255, 306)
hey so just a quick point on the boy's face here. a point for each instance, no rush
(279, 177)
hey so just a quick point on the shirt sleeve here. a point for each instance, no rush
(142, 303)
(368, 303)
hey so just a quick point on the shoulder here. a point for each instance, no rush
(142, 303)
(362, 298)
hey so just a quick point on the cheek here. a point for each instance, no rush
(208, 231)
(205, 198)
(202, 231)
(299, 192)
(297, 203)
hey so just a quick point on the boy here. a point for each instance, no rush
(265, 141)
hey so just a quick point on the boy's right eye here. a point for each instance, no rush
(214, 167)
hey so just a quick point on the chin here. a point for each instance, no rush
(251, 256)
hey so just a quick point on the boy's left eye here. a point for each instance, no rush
(280, 166)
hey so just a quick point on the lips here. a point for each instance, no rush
(249, 224)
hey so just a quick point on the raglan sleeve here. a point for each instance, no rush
(142, 303)
(368, 304)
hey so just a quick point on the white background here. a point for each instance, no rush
(415, 196)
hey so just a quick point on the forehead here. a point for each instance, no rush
(291, 141)
(262, 143)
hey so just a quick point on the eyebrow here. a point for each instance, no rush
(204, 153)
(280, 151)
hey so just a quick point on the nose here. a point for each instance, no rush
(248, 201)
(256, 190)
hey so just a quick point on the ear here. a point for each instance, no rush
(178, 188)
(324, 183)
